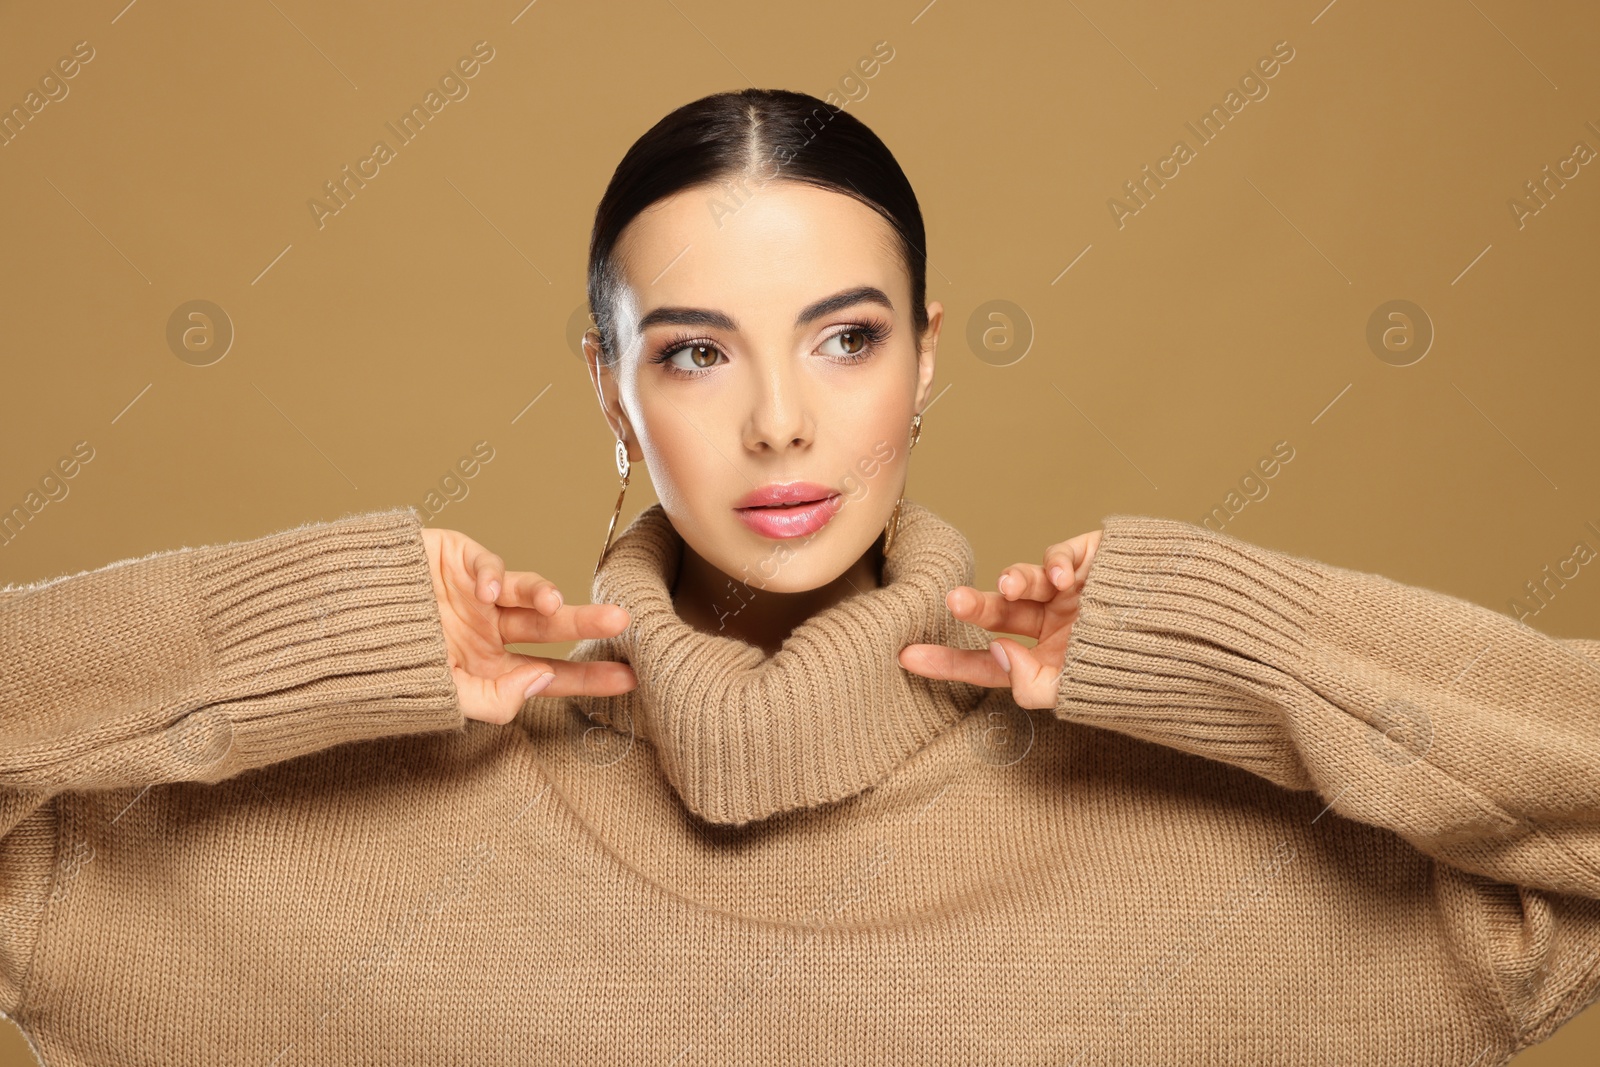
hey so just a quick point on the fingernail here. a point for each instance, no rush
(1000, 657)
(1003, 584)
(539, 685)
(1055, 576)
(559, 600)
(494, 591)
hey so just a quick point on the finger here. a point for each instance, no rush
(1026, 581)
(1067, 563)
(1033, 682)
(488, 571)
(527, 589)
(492, 664)
(572, 677)
(526, 625)
(499, 698)
(953, 664)
(597, 678)
(994, 612)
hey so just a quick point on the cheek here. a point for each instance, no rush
(687, 467)
(876, 426)
(872, 455)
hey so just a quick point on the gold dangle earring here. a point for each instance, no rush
(894, 517)
(623, 466)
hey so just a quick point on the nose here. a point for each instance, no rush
(780, 411)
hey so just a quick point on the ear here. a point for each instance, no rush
(927, 352)
(609, 393)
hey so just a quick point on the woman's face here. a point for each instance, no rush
(760, 345)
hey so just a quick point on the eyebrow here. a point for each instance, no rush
(718, 320)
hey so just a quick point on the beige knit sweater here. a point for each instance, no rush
(1284, 813)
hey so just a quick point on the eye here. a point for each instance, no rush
(857, 341)
(853, 341)
(701, 357)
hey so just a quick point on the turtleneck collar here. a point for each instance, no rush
(741, 735)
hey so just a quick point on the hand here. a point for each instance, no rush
(483, 607)
(1035, 601)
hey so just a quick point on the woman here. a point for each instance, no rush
(291, 801)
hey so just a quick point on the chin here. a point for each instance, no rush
(800, 564)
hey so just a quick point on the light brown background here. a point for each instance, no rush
(1229, 314)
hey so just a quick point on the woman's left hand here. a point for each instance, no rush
(1034, 601)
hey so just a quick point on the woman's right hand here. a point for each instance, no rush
(483, 608)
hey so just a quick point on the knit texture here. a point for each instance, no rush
(1283, 813)
(742, 735)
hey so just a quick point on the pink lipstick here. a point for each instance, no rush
(788, 509)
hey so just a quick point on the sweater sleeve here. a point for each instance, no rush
(198, 664)
(1468, 733)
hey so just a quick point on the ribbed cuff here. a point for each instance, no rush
(1186, 637)
(322, 634)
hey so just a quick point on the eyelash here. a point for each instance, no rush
(875, 330)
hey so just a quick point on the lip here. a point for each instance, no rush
(785, 493)
(788, 509)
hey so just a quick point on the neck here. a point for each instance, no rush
(713, 603)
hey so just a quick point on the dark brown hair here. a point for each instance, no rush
(771, 134)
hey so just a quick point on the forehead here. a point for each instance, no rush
(759, 252)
